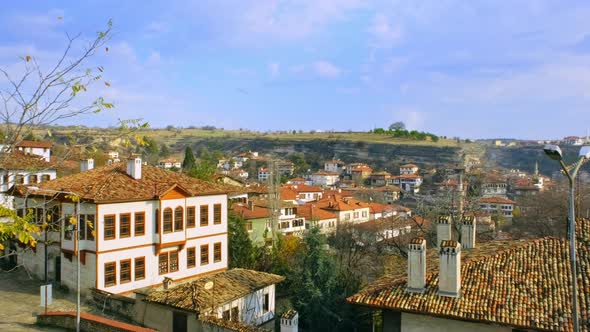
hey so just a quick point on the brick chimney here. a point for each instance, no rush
(468, 232)
(86, 164)
(416, 265)
(443, 229)
(449, 275)
(134, 167)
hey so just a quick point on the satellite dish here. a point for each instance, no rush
(208, 285)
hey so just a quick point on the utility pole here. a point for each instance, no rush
(274, 181)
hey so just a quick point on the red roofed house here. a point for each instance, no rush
(314, 216)
(18, 168)
(347, 209)
(39, 148)
(496, 286)
(408, 169)
(408, 182)
(304, 193)
(325, 178)
(499, 205)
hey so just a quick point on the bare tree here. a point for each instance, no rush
(42, 97)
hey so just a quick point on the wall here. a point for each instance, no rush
(418, 323)
(87, 272)
(92, 323)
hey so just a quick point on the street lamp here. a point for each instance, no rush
(76, 244)
(554, 152)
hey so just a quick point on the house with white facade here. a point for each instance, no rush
(263, 174)
(315, 217)
(408, 169)
(139, 224)
(38, 148)
(169, 163)
(304, 193)
(334, 166)
(325, 178)
(18, 168)
(498, 205)
(347, 209)
(234, 299)
(573, 140)
(408, 182)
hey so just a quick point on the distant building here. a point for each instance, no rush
(573, 140)
(326, 221)
(18, 168)
(325, 178)
(378, 179)
(38, 148)
(169, 163)
(286, 168)
(334, 166)
(408, 182)
(263, 174)
(408, 169)
(348, 210)
(497, 205)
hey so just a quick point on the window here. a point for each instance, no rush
(249, 226)
(125, 225)
(140, 268)
(217, 214)
(266, 302)
(217, 252)
(356, 215)
(163, 263)
(347, 216)
(226, 314)
(365, 214)
(235, 314)
(168, 262)
(157, 219)
(191, 257)
(173, 261)
(139, 223)
(45, 178)
(86, 227)
(125, 271)
(204, 215)
(110, 274)
(284, 224)
(205, 254)
(68, 227)
(178, 218)
(190, 217)
(297, 222)
(167, 220)
(19, 179)
(5, 178)
(33, 178)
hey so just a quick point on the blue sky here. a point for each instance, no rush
(458, 68)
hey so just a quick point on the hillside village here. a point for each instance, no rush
(147, 231)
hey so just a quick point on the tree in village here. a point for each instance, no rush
(399, 125)
(42, 94)
(189, 159)
(242, 253)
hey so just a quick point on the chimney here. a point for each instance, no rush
(449, 275)
(166, 283)
(443, 229)
(86, 164)
(417, 265)
(289, 321)
(134, 167)
(468, 232)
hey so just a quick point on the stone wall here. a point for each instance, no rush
(120, 305)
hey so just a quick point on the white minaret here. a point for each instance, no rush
(449, 276)
(468, 232)
(443, 229)
(290, 321)
(86, 164)
(417, 265)
(134, 167)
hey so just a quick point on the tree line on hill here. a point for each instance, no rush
(398, 130)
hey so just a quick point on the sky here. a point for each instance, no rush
(477, 69)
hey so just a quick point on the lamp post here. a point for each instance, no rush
(76, 245)
(554, 152)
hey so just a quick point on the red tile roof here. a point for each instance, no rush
(520, 284)
(409, 166)
(20, 161)
(340, 203)
(311, 211)
(256, 212)
(303, 188)
(34, 144)
(112, 184)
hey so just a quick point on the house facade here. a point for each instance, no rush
(408, 169)
(334, 166)
(18, 168)
(169, 163)
(263, 174)
(498, 205)
(38, 148)
(325, 178)
(138, 225)
(408, 182)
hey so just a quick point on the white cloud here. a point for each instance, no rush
(385, 34)
(274, 68)
(326, 69)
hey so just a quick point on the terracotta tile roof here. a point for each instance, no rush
(288, 194)
(20, 161)
(391, 188)
(521, 284)
(407, 176)
(409, 166)
(227, 286)
(169, 160)
(326, 173)
(338, 162)
(34, 144)
(230, 325)
(303, 188)
(340, 203)
(378, 207)
(244, 211)
(496, 200)
(112, 184)
(311, 211)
